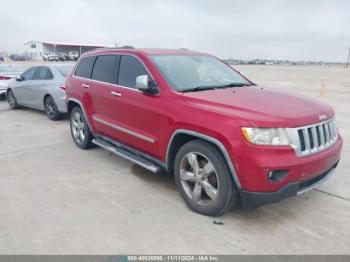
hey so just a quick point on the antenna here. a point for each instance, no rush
(115, 41)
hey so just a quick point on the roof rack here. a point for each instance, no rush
(126, 47)
(118, 47)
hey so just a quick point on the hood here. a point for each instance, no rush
(261, 106)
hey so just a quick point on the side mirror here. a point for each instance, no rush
(20, 78)
(146, 85)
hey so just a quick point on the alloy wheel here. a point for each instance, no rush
(78, 128)
(11, 99)
(50, 108)
(199, 178)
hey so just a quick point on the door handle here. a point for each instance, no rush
(116, 94)
(85, 85)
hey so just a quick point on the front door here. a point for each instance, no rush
(21, 89)
(134, 117)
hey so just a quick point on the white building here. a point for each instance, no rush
(36, 49)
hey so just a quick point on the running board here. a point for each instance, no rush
(127, 155)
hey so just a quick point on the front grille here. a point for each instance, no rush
(312, 139)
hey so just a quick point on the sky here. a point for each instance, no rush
(246, 29)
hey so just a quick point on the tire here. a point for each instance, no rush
(11, 99)
(51, 109)
(210, 190)
(80, 131)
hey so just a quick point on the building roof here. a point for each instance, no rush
(65, 44)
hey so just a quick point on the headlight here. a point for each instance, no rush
(266, 136)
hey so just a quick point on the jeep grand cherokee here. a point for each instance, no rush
(225, 139)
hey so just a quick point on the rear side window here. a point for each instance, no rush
(84, 68)
(130, 67)
(105, 69)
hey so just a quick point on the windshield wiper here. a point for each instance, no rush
(201, 88)
(233, 84)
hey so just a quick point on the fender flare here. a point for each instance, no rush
(82, 108)
(209, 139)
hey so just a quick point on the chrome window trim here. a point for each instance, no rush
(122, 129)
(210, 139)
(106, 83)
(116, 85)
(331, 134)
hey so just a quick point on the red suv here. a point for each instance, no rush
(224, 138)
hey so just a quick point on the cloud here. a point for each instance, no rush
(285, 29)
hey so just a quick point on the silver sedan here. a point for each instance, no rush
(42, 88)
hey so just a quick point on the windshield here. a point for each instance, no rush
(11, 69)
(64, 70)
(197, 72)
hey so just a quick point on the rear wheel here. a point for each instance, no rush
(51, 109)
(204, 179)
(80, 131)
(11, 100)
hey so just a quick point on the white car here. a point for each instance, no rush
(8, 73)
(50, 57)
(73, 55)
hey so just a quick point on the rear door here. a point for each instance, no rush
(92, 79)
(36, 92)
(135, 117)
(103, 77)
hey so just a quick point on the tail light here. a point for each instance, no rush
(63, 87)
(5, 78)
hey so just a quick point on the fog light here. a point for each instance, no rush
(277, 175)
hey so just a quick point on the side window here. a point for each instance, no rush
(105, 68)
(84, 68)
(43, 73)
(130, 68)
(29, 74)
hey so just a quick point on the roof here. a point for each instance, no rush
(65, 44)
(151, 51)
(159, 51)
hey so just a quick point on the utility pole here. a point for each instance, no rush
(347, 63)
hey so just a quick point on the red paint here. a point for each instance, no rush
(5, 78)
(215, 113)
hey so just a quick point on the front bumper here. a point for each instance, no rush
(251, 200)
(254, 164)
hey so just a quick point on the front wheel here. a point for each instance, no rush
(11, 100)
(204, 179)
(80, 131)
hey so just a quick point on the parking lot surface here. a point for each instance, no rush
(58, 199)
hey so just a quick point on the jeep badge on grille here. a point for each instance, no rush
(322, 117)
